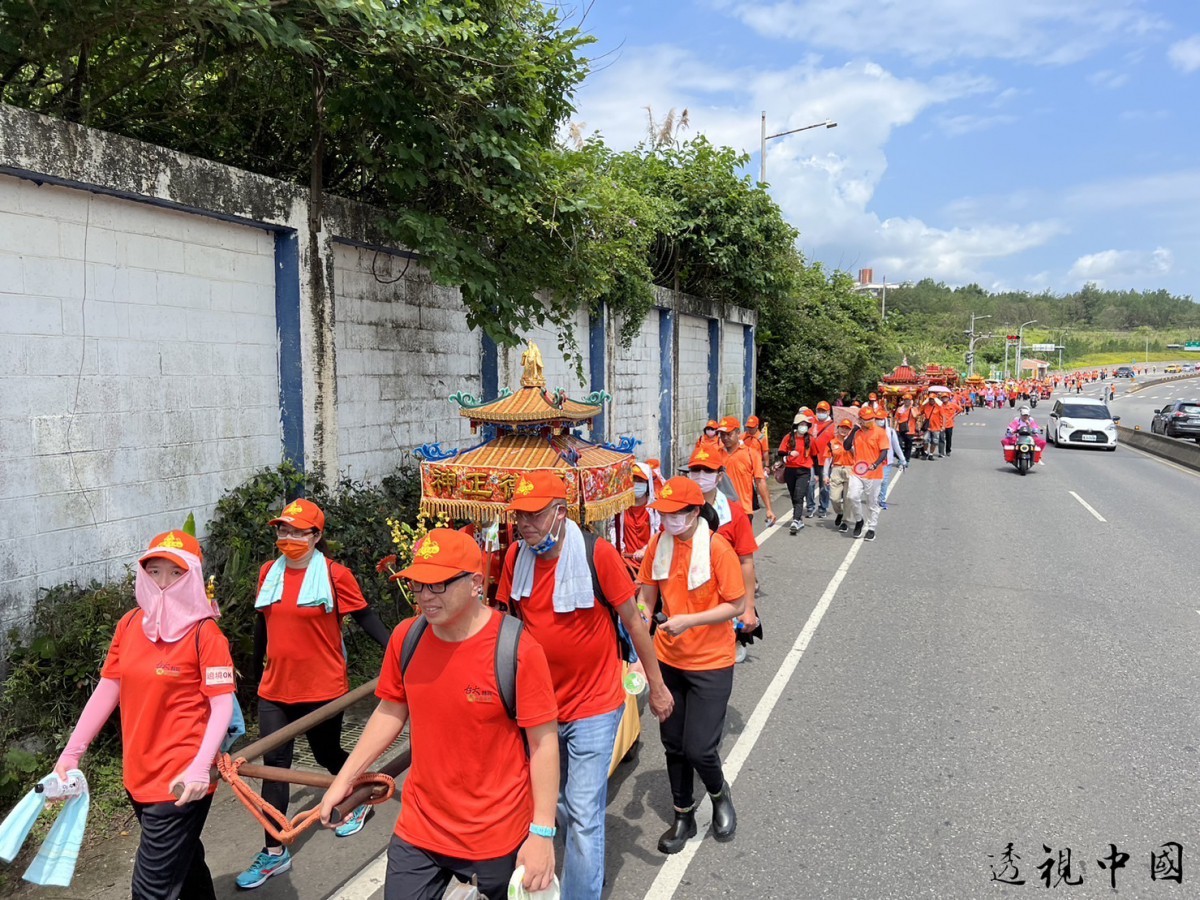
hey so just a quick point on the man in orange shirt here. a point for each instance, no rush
(744, 468)
(488, 812)
(871, 446)
(822, 433)
(841, 459)
(548, 583)
(950, 408)
(752, 437)
(934, 423)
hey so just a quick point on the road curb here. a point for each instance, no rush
(1184, 454)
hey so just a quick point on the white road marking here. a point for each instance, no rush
(1088, 506)
(367, 883)
(675, 867)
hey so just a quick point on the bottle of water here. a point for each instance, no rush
(57, 789)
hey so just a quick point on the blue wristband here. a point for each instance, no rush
(546, 831)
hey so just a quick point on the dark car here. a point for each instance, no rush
(1125, 372)
(1178, 419)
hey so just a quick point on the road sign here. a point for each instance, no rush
(1192, 346)
(1014, 339)
(1045, 348)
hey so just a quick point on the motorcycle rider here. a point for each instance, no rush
(1025, 420)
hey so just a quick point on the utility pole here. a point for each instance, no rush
(1020, 343)
(971, 344)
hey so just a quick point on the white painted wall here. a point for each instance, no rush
(635, 376)
(691, 385)
(138, 377)
(733, 370)
(403, 347)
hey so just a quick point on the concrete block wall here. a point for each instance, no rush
(634, 379)
(691, 384)
(169, 325)
(403, 347)
(137, 377)
(733, 370)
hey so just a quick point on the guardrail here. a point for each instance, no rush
(1178, 451)
(1142, 385)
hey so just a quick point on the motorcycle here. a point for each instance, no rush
(1033, 399)
(1023, 452)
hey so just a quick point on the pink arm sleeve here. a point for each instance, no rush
(99, 707)
(220, 712)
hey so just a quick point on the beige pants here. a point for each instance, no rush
(839, 478)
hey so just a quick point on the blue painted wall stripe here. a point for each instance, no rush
(714, 368)
(750, 362)
(666, 396)
(287, 326)
(597, 364)
(489, 368)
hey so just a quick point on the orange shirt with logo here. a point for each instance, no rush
(803, 457)
(755, 444)
(580, 646)
(165, 691)
(635, 525)
(841, 456)
(744, 468)
(705, 647)
(867, 447)
(305, 658)
(467, 793)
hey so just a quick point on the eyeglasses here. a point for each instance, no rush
(287, 531)
(437, 587)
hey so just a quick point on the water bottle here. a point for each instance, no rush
(55, 788)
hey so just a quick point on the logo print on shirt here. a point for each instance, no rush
(479, 695)
(166, 670)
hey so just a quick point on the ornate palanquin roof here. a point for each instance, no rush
(530, 406)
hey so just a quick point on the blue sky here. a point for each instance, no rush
(1019, 144)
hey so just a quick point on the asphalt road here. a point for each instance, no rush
(1004, 665)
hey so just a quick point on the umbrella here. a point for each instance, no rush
(938, 389)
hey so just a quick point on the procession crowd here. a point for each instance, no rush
(536, 670)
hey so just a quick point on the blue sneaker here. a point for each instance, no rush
(264, 866)
(354, 822)
(883, 504)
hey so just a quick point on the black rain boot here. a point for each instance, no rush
(724, 818)
(675, 837)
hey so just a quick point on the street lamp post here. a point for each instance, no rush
(971, 344)
(1021, 345)
(828, 123)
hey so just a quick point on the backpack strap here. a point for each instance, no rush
(409, 647)
(507, 646)
(624, 647)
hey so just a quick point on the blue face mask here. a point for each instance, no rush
(640, 489)
(548, 543)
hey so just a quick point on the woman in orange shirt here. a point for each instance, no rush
(170, 671)
(300, 659)
(692, 577)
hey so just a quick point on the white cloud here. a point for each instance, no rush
(1185, 55)
(965, 123)
(1108, 79)
(823, 179)
(1034, 31)
(1122, 266)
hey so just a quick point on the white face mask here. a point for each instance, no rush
(705, 480)
(677, 523)
(822, 417)
(640, 489)
(801, 429)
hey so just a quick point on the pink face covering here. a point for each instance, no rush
(168, 615)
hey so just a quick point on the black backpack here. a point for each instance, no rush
(507, 645)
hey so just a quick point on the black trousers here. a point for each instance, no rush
(797, 485)
(949, 433)
(906, 443)
(170, 858)
(692, 734)
(325, 741)
(416, 874)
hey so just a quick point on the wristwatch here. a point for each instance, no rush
(546, 831)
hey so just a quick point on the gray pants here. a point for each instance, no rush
(839, 477)
(863, 499)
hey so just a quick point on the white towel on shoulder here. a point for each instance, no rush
(700, 567)
(572, 577)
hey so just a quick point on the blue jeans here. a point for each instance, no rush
(585, 750)
(814, 492)
(888, 472)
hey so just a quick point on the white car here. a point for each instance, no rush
(1082, 422)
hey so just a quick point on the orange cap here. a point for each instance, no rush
(639, 475)
(907, 397)
(706, 456)
(712, 423)
(752, 422)
(678, 493)
(845, 423)
(866, 413)
(823, 405)
(872, 397)
(301, 514)
(164, 546)
(729, 423)
(441, 555)
(536, 490)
